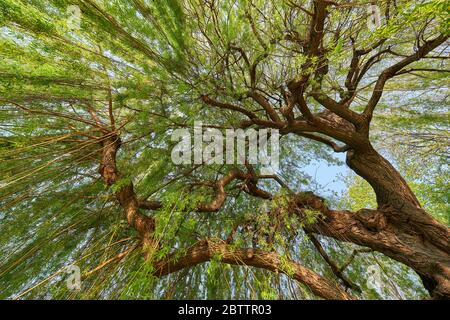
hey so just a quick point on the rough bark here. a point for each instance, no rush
(399, 228)
(204, 251)
(125, 195)
(389, 186)
(411, 235)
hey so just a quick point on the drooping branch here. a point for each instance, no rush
(206, 250)
(338, 272)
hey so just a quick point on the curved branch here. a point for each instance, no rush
(394, 69)
(126, 196)
(209, 101)
(250, 183)
(205, 250)
(407, 235)
(266, 105)
(326, 141)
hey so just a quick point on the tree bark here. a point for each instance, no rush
(126, 196)
(389, 186)
(398, 228)
(205, 250)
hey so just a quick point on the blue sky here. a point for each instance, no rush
(329, 176)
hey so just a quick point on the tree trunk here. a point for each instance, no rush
(389, 186)
(400, 228)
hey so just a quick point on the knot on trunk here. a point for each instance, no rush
(108, 169)
(109, 174)
(310, 201)
(372, 220)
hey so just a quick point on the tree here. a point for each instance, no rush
(88, 108)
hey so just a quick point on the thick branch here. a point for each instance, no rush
(408, 235)
(326, 141)
(144, 225)
(341, 110)
(204, 251)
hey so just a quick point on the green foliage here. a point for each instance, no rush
(151, 60)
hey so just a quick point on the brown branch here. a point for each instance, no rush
(291, 3)
(392, 71)
(340, 109)
(326, 141)
(221, 194)
(126, 196)
(304, 109)
(149, 204)
(243, 54)
(407, 235)
(266, 105)
(334, 268)
(110, 110)
(204, 251)
(212, 102)
(250, 183)
(317, 27)
(312, 49)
